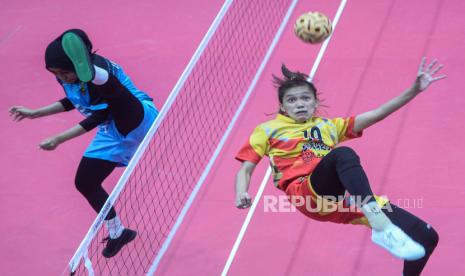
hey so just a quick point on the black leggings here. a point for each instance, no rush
(128, 113)
(124, 107)
(89, 178)
(340, 170)
(419, 231)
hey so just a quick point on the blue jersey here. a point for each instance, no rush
(85, 98)
(108, 144)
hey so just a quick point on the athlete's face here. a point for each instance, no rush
(299, 103)
(64, 75)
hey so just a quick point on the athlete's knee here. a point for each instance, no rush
(83, 184)
(344, 151)
(427, 236)
(80, 186)
(432, 237)
(346, 155)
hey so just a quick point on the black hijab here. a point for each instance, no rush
(55, 56)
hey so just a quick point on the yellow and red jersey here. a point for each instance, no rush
(294, 149)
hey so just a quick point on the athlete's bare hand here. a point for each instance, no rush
(49, 143)
(20, 112)
(243, 200)
(425, 76)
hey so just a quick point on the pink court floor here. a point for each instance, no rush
(416, 156)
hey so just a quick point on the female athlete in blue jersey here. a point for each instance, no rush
(101, 91)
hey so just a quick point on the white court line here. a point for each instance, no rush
(246, 223)
(268, 171)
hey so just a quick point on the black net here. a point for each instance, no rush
(178, 153)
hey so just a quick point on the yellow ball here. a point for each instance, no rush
(313, 27)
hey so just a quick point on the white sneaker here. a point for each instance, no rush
(398, 243)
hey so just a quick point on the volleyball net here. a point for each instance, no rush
(160, 183)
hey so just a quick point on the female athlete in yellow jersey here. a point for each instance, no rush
(315, 174)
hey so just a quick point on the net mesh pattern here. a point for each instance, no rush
(180, 149)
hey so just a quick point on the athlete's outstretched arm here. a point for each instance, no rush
(53, 142)
(21, 112)
(243, 199)
(424, 78)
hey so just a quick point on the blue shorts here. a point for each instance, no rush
(111, 145)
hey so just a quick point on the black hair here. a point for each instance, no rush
(290, 80)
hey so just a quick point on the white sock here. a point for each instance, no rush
(377, 219)
(115, 227)
(101, 76)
